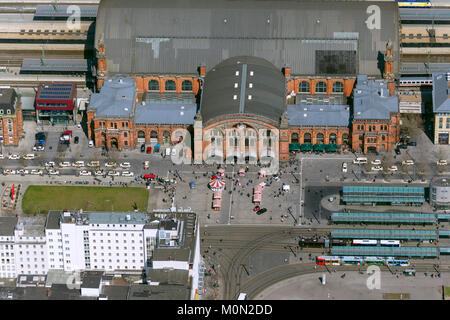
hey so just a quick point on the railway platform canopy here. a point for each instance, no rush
(49, 11)
(444, 250)
(443, 217)
(385, 217)
(424, 15)
(384, 234)
(444, 233)
(422, 252)
(383, 195)
(51, 66)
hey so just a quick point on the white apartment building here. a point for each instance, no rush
(7, 254)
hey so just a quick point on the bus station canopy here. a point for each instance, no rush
(385, 217)
(306, 147)
(385, 251)
(294, 147)
(331, 147)
(384, 234)
(319, 147)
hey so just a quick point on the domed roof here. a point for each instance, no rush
(244, 86)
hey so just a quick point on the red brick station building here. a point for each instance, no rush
(156, 80)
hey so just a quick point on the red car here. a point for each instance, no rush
(68, 132)
(149, 150)
(256, 208)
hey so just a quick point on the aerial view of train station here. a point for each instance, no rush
(254, 150)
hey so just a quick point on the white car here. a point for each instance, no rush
(113, 173)
(29, 156)
(98, 173)
(13, 157)
(110, 164)
(408, 163)
(91, 144)
(22, 171)
(93, 164)
(65, 164)
(376, 162)
(49, 164)
(441, 162)
(146, 165)
(36, 172)
(78, 164)
(377, 168)
(344, 167)
(392, 168)
(125, 165)
(127, 174)
(53, 172)
(9, 171)
(85, 173)
(2, 156)
(39, 148)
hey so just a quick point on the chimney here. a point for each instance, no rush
(202, 69)
(287, 71)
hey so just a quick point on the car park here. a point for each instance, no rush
(85, 173)
(29, 156)
(78, 164)
(65, 164)
(49, 164)
(36, 172)
(408, 162)
(93, 164)
(13, 157)
(98, 173)
(110, 164)
(377, 168)
(53, 172)
(441, 162)
(393, 168)
(376, 162)
(127, 174)
(125, 165)
(113, 173)
(344, 167)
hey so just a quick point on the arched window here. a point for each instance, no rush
(170, 85)
(141, 134)
(338, 87)
(186, 85)
(303, 87)
(153, 85)
(307, 138)
(345, 138)
(319, 138)
(332, 138)
(294, 138)
(321, 86)
(154, 135)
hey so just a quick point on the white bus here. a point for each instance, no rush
(390, 243)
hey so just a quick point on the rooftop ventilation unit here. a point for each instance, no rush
(236, 85)
(237, 73)
(251, 73)
(250, 85)
(181, 113)
(249, 97)
(235, 97)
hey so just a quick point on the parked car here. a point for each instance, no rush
(78, 164)
(143, 147)
(85, 173)
(93, 164)
(65, 164)
(91, 144)
(53, 172)
(146, 165)
(392, 168)
(408, 162)
(403, 146)
(127, 174)
(261, 211)
(36, 172)
(2, 156)
(125, 165)
(377, 168)
(13, 157)
(98, 173)
(256, 208)
(29, 156)
(412, 143)
(441, 162)
(49, 164)
(344, 167)
(38, 147)
(75, 140)
(113, 173)
(397, 151)
(9, 171)
(376, 162)
(110, 164)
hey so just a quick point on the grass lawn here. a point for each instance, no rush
(48, 198)
(447, 291)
